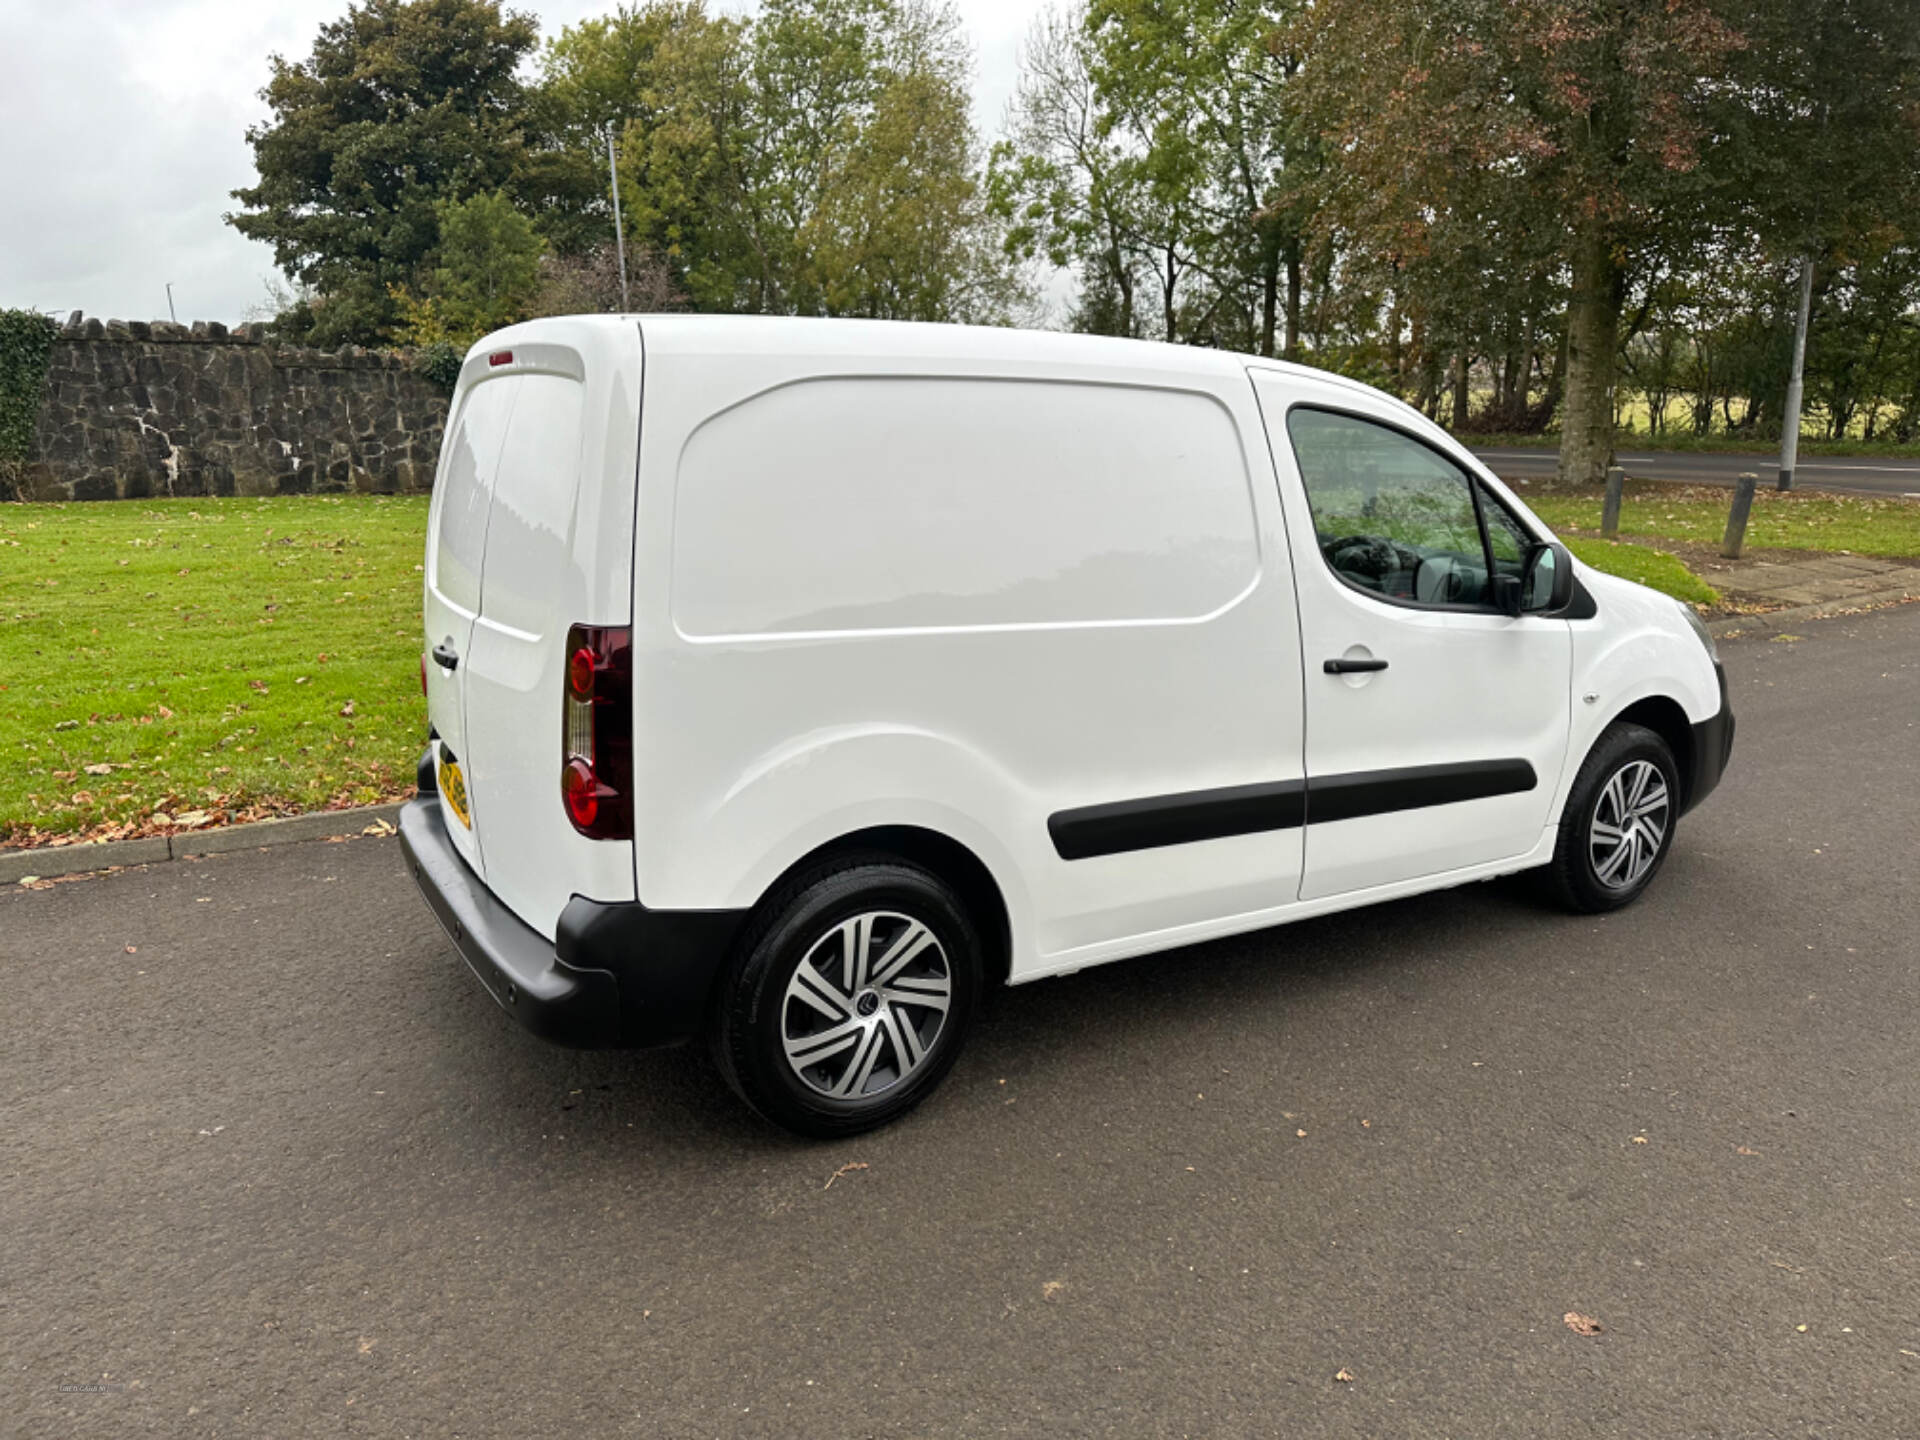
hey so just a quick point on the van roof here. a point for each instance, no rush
(681, 334)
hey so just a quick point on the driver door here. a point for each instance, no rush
(1435, 739)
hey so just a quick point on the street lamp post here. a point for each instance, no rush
(619, 230)
(1796, 386)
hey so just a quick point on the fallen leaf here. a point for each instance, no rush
(133, 949)
(1801, 1329)
(259, 685)
(346, 711)
(1743, 1150)
(1051, 1289)
(1639, 1139)
(164, 713)
(1301, 1133)
(379, 827)
(28, 879)
(1343, 1375)
(99, 769)
(850, 1165)
(366, 1345)
(1581, 1324)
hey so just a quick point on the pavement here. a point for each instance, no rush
(274, 1165)
(1775, 578)
(1868, 475)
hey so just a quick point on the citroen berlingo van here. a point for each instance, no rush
(793, 681)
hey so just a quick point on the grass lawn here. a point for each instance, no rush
(1798, 520)
(1650, 567)
(170, 662)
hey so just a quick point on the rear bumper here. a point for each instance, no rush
(615, 975)
(1712, 745)
(515, 963)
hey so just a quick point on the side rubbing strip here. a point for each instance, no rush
(1125, 825)
(1380, 792)
(1177, 819)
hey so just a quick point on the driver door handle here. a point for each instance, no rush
(1354, 667)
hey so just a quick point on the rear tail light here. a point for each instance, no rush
(596, 732)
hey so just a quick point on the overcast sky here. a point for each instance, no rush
(123, 128)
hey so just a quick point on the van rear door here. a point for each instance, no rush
(558, 553)
(456, 553)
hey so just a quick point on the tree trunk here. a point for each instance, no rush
(1461, 368)
(1519, 401)
(1396, 352)
(1593, 338)
(1269, 286)
(1293, 298)
(1173, 279)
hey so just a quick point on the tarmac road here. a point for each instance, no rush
(1868, 475)
(281, 1168)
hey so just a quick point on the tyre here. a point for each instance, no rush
(849, 996)
(1619, 821)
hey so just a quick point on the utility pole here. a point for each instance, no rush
(619, 231)
(170, 312)
(1790, 425)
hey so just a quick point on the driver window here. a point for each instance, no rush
(1392, 517)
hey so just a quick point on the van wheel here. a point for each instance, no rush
(849, 998)
(1618, 824)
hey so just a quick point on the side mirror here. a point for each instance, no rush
(1547, 584)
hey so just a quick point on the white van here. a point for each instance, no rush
(791, 680)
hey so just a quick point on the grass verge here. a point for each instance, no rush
(170, 663)
(1697, 514)
(1644, 566)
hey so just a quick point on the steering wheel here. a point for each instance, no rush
(1372, 556)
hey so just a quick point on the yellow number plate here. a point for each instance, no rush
(453, 790)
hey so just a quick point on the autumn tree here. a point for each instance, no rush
(1599, 120)
(401, 105)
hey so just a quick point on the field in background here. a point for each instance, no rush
(1635, 432)
(182, 662)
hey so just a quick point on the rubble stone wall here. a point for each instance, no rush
(134, 409)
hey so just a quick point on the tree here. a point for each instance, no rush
(1152, 143)
(596, 76)
(588, 283)
(817, 160)
(486, 273)
(403, 104)
(1599, 117)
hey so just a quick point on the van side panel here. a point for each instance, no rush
(966, 503)
(1007, 639)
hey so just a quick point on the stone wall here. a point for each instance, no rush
(135, 409)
